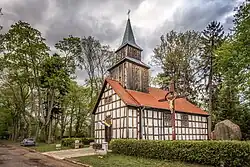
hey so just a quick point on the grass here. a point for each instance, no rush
(43, 147)
(115, 160)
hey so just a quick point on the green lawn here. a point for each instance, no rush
(114, 160)
(43, 147)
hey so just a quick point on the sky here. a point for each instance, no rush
(106, 19)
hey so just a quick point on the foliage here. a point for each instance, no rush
(177, 56)
(233, 65)
(97, 146)
(226, 153)
(114, 160)
(70, 141)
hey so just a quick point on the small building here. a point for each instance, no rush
(128, 108)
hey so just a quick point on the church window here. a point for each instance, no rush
(108, 100)
(184, 120)
(167, 119)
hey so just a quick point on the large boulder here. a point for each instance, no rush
(227, 130)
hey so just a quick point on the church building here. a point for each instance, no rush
(129, 108)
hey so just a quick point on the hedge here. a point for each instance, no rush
(70, 141)
(216, 153)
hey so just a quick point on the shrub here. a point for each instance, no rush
(97, 146)
(71, 141)
(87, 141)
(217, 153)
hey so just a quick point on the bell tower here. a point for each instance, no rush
(129, 70)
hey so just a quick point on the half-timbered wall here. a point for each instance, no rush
(133, 123)
(157, 125)
(111, 104)
(191, 127)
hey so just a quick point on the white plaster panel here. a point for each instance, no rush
(114, 123)
(150, 130)
(179, 123)
(135, 113)
(135, 133)
(106, 107)
(124, 133)
(114, 114)
(122, 112)
(178, 137)
(178, 130)
(156, 122)
(130, 112)
(156, 130)
(118, 133)
(155, 114)
(189, 117)
(178, 115)
(150, 122)
(134, 122)
(130, 132)
(170, 130)
(156, 138)
(150, 137)
(118, 104)
(160, 123)
(130, 121)
(183, 137)
(118, 113)
(166, 130)
(183, 131)
(122, 123)
(118, 123)
(149, 113)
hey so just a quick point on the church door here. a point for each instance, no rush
(108, 135)
(108, 129)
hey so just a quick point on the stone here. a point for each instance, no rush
(58, 146)
(227, 130)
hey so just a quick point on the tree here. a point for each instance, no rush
(212, 38)
(24, 49)
(177, 56)
(233, 65)
(70, 50)
(55, 80)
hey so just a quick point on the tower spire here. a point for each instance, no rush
(128, 37)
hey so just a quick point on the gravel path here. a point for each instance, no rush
(15, 156)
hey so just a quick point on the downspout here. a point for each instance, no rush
(141, 109)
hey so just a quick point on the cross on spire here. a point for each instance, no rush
(128, 14)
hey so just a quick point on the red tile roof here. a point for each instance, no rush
(135, 98)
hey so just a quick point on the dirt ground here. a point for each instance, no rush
(16, 156)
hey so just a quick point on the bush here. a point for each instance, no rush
(217, 153)
(97, 146)
(71, 141)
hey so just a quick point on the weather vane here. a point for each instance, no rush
(128, 13)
